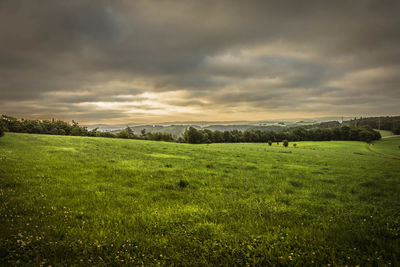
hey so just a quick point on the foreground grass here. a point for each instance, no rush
(90, 201)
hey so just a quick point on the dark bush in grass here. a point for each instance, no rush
(269, 142)
(285, 143)
(294, 145)
(183, 183)
(295, 184)
(209, 166)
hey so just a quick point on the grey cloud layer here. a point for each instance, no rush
(264, 57)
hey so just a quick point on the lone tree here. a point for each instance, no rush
(285, 143)
(269, 142)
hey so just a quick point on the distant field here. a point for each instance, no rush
(385, 133)
(93, 201)
(388, 146)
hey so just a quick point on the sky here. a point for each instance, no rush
(156, 61)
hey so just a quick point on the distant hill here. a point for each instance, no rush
(389, 123)
(177, 128)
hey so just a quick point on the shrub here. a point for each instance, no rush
(269, 142)
(294, 145)
(183, 183)
(285, 143)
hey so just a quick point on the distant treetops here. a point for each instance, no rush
(193, 135)
(201, 136)
(58, 127)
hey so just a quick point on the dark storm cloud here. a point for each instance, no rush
(322, 57)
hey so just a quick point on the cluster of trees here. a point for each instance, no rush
(155, 136)
(323, 125)
(196, 136)
(58, 127)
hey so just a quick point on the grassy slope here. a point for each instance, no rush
(93, 200)
(384, 133)
(388, 146)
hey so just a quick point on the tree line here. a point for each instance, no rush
(201, 136)
(191, 134)
(58, 127)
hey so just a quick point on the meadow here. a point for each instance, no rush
(385, 133)
(68, 200)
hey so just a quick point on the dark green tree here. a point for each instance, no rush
(193, 136)
(130, 132)
(218, 137)
(300, 134)
(285, 143)
(143, 133)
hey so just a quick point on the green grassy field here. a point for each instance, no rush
(385, 133)
(95, 201)
(389, 147)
